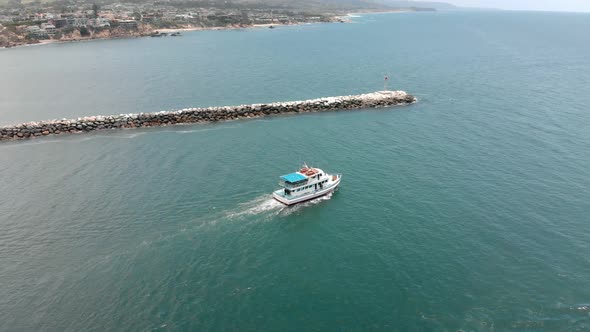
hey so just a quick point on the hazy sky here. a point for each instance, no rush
(551, 5)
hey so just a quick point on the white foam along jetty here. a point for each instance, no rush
(200, 115)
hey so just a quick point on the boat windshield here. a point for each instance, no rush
(287, 184)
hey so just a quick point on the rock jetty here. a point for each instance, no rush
(202, 115)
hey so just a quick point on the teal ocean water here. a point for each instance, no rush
(468, 211)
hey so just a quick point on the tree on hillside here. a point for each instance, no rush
(95, 10)
(84, 32)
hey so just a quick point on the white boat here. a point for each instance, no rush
(305, 184)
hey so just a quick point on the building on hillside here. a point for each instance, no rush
(49, 29)
(19, 19)
(128, 24)
(148, 18)
(99, 22)
(80, 22)
(60, 23)
(183, 17)
(36, 32)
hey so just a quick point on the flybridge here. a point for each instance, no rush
(300, 178)
(294, 177)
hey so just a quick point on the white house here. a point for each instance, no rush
(49, 28)
(99, 22)
(37, 32)
(80, 22)
(128, 24)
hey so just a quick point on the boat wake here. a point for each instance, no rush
(298, 207)
(260, 205)
(269, 207)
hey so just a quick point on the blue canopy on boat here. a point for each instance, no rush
(293, 177)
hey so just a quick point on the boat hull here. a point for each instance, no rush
(305, 198)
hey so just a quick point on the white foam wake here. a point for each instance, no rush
(298, 207)
(266, 205)
(256, 206)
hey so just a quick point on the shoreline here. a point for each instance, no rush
(86, 124)
(170, 30)
(346, 18)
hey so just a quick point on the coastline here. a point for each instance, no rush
(393, 11)
(346, 18)
(335, 19)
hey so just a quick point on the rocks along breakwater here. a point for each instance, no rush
(201, 115)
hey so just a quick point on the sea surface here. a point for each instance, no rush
(467, 211)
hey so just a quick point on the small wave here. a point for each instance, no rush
(32, 142)
(199, 130)
(130, 136)
(107, 135)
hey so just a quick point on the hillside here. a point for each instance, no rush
(418, 4)
(307, 4)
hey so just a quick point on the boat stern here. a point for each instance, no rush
(279, 196)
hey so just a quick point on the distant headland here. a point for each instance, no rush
(203, 115)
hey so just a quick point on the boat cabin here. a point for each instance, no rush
(306, 179)
(293, 180)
